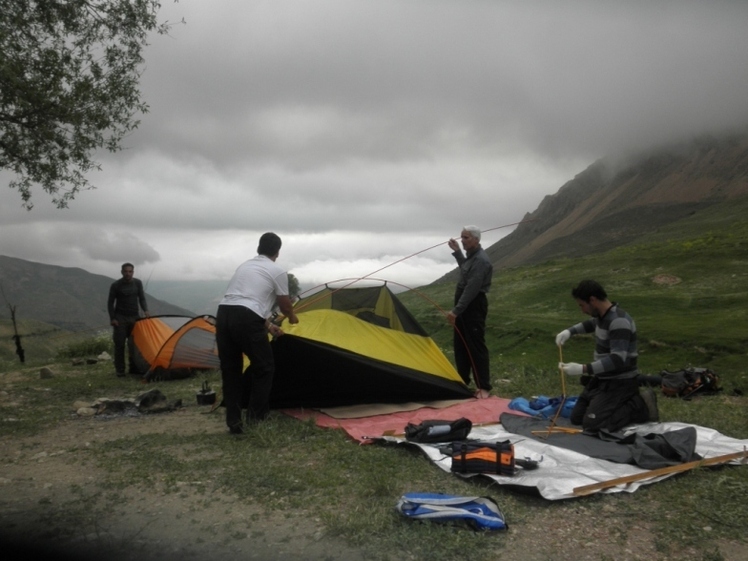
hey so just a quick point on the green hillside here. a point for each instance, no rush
(40, 341)
(686, 287)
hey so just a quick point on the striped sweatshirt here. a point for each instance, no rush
(615, 344)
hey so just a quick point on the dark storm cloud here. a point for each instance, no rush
(362, 131)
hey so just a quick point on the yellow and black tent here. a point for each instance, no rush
(168, 347)
(359, 345)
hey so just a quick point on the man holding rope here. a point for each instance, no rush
(610, 399)
(470, 310)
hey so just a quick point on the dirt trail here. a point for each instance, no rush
(45, 503)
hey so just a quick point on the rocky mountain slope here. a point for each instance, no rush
(615, 201)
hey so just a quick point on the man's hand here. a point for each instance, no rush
(451, 318)
(114, 323)
(453, 245)
(292, 318)
(562, 337)
(571, 368)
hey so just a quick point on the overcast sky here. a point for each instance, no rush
(363, 132)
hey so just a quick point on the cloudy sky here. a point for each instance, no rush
(364, 132)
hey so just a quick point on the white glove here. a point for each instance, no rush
(562, 337)
(571, 368)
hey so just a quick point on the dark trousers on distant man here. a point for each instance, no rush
(121, 338)
(470, 348)
(240, 331)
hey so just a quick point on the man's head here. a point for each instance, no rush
(470, 237)
(591, 298)
(270, 245)
(128, 270)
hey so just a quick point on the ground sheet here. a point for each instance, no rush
(561, 471)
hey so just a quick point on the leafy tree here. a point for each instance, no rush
(69, 85)
(293, 285)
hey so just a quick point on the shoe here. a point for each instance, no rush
(650, 400)
(120, 374)
(236, 429)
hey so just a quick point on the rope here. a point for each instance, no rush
(552, 426)
(369, 276)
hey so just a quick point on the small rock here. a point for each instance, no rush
(77, 361)
(80, 404)
(104, 356)
(45, 373)
(86, 412)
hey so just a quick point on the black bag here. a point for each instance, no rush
(438, 431)
(689, 382)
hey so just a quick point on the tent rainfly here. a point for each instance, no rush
(359, 345)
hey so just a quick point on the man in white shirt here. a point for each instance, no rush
(242, 328)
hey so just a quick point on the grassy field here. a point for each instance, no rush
(687, 289)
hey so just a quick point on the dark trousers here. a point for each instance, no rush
(240, 331)
(121, 339)
(470, 348)
(609, 405)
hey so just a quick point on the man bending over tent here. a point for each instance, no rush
(610, 399)
(242, 328)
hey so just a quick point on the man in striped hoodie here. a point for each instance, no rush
(611, 398)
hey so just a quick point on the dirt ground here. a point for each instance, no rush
(38, 509)
(41, 509)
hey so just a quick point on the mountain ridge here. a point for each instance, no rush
(69, 298)
(616, 200)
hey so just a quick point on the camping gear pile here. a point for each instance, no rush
(689, 382)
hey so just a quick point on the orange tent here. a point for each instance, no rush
(167, 347)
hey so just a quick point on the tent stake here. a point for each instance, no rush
(588, 489)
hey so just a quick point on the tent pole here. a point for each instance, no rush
(588, 489)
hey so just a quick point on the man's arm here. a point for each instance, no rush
(286, 307)
(110, 302)
(141, 299)
(620, 334)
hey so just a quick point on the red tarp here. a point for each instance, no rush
(479, 411)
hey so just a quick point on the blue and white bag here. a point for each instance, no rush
(481, 513)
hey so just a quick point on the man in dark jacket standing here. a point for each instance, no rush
(470, 310)
(124, 296)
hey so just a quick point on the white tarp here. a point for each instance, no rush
(560, 471)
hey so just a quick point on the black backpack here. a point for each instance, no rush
(438, 431)
(689, 382)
